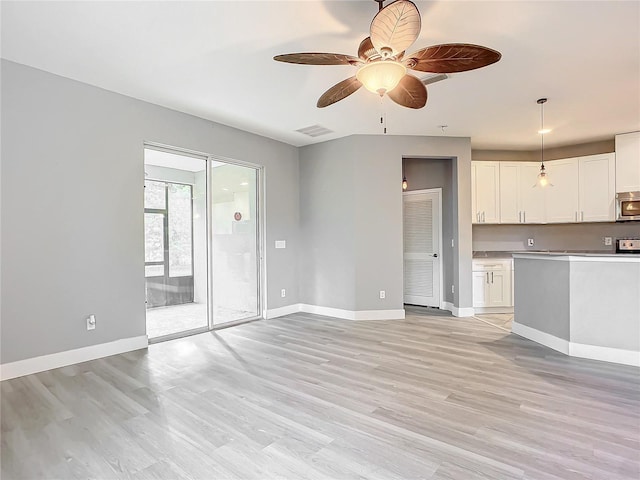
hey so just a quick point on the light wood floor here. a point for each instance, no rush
(308, 397)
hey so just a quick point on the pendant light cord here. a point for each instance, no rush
(541, 102)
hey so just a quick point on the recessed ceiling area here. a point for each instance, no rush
(214, 59)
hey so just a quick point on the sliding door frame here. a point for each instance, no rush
(260, 235)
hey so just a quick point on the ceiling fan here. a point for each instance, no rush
(382, 63)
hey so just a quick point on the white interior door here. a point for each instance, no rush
(422, 245)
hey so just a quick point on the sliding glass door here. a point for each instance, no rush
(235, 242)
(202, 242)
(175, 244)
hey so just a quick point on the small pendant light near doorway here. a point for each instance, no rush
(543, 178)
(405, 185)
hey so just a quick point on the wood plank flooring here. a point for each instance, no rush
(309, 397)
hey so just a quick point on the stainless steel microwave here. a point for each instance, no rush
(627, 206)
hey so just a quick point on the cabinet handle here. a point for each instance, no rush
(519, 217)
(582, 216)
(524, 217)
(487, 277)
(576, 216)
(491, 277)
(483, 217)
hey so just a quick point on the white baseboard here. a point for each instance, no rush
(282, 311)
(606, 354)
(593, 352)
(353, 314)
(546, 339)
(481, 310)
(78, 355)
(458, 312)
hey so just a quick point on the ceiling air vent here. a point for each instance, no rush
(314, 130)
(436, 77)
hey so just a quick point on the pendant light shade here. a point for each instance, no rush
(543, 178)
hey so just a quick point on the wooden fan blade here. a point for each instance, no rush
(339, 91)
(410, 92)
(451, 58)
(395, 27)
(366, 49)
(318, 59)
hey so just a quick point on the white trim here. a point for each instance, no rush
(457, 311)
(70, 357)
(480, 310)
(546, 339)
(282, 311)
(606, 354)
(353, 314)
(593, 352)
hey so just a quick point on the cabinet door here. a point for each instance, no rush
(597, 182)
(532, 201)
(509, 185)
(499, 288)
(562, 197)
(480, 289)
(628, 162)
(487, 179)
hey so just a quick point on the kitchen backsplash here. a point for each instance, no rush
(570, 237)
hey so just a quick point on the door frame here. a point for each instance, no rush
(437, 191)
(260, 238)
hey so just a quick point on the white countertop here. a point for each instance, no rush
(581, 256)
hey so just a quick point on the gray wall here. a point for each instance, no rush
(424, 173)
(350, 195)
(555, 153)
(72, 208)
(573, 237)
(542, 295)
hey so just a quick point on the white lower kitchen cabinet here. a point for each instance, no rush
(492, 292)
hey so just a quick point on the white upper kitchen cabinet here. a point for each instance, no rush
(597, 188)
(485, 181)
(532, 198)
(562, 195)
(520, 201)
(510, 211)
(628, 162)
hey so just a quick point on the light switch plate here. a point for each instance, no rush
(281, 244)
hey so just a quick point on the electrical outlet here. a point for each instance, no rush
(283, 293)
(453, 243)
(453, 289)
(91, 322)
(383, 294)
(608, 241)
(530, 242)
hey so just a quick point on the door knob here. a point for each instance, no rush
(435, 255)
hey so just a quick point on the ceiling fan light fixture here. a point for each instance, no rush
(382, 76)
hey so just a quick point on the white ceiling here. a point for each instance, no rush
(213, 59)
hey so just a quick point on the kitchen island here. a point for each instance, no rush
(583, 305)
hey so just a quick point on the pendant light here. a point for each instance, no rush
(405, 185)
(543, 178)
